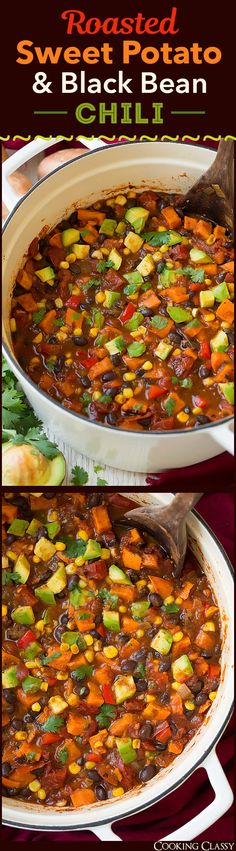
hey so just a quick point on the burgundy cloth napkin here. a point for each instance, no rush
(200, 477)
(195, 794)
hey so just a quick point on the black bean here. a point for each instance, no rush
(133, 575)
(146, 731)
(155, 600)
(204, 371)
(147, 773)
(221, 276)
(165, 697)
(101, 238)
(111, 419)
(108, 376)
(73, 218)
(52, 340)
(64, 619)
(94, 499)
(165, 665)
(10, 539)
(58, 633)
(123, 638)
(41, 533)
(141, 684)
(128, 666)
(201, 420)
(147, 278)
(174, 337)
(160, 266)
(61, 595)
(195, 687)
(146, 311)
(200, 698)
(12, 792)
(116, 359)
(140, 372)
(140, 655)
(93, 775)
(72, 582)
(80, 341)
(110, 391)
(85, 381)
(173, 726)
(28, 718)
(160, 746)
(6, 769)
(17, 724)
(187, 410)
(206, 654)
(84, 691)
(80, 760)
(44, 577)
(98, 620)
(146, 422)
(100, 792)
(9, 695)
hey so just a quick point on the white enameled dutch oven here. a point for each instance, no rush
(165, 166)
(200, 752)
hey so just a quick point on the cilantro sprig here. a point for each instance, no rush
(19, 423)
(106, 714)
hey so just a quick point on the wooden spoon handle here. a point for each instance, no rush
(220, 172)
(183, 503)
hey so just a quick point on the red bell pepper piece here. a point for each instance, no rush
(127, 313)
(163, 732)
(49, 738)
(94, 757)
(205, 351)
(89, 361)
(195, 288)
(101, 629)
(108, 694)
(51, 681)
(155, 391)
(199, 402)
(73, 301)
(26, 639)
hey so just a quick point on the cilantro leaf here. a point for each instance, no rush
(74, 548)
(141, 669)
(79, 476)
(53, 723)
(110, 599)
(10, 577)
(38, 315)
(102, 265)
(83, 671)
(169, 406)
(101, 482)
(31, 755)
(46, 660)
(106, 714)
(63, 755)
(13, 406)
(97, 468)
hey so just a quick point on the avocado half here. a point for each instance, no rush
(25, 465)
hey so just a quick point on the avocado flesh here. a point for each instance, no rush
(53, 472)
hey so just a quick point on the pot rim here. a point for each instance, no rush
(178, 782)
(16, 366)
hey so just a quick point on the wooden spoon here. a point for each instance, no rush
(213, 194)
(168, 525)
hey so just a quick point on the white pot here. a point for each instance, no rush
(200, 752)
(165, 166)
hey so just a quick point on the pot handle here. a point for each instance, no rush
(26, 153)
(222, 801)
(224, 436)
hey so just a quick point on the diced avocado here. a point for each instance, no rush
(32, 650)
(163, 350)
(115, 258)
(69, 236)
(22, 568)
(198, 256)
(140, 608)
(228, 391)
(9, 678)
(135, 350)
(167, 277)
(78, 597)
(135, 321)
(110, 298)
(124, 688)
(146, 266)
(44, 549)
(116, 346)
(182, 669)
(81, 251)
(70, 637)
(220, 342)
(31, 684)
(57, 704)
(58, 580)
(179, 314)
(126, 750)
(24, 615)
(111, 620)
(53, 529)
(45, 595)
(221, 292)
(134, 278)
(162, 641)
(33, 527)
(46, 274)
(137, 217)
(207, 298)
(121, 227)
(93, 550)
(133, 242)
(108, 226)
(18, 528)
(118, 575)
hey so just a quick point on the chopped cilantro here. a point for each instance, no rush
(101, 482)
(110, 599)
(63, 755)
(169, 406)
(53, 723)
(106, 714)
(79, 476)
(38, 315)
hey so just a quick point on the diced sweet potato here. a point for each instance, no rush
(226, 311)
(131, 560)
(82, 797)
(99, 368)
(101, 519)
(203, 229)
(27, 302)
(164, 587)
(171, 217)
(25, 279)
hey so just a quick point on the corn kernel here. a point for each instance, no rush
(110, 651)
(93, 332)
(90, 764)
(80, 561)
(128, 393)
(36, 707)
(209, 627)
(4, 610)
(60, 546)
(189, 704)
(77, 332)
(82, 583)
(118, 791)
(100, 297)
(157, 256)
(177, 636)
(168, 600)
(74, 768)
(131, 194)
(74, 649)
(209, 317)
(68, 361)
(12, 325)
(163, 249)
(73, 700)
(89, 640)
(64, 264)
(82, 534)
(126, 251)
(70, 569)
(44, 687)
(161, 228)
(182, 417)
(58, 302)
(20, 736)
(96, 395)
(105, 251)
(147, 365)
(11, 555)
(36, 559)
(140, 633)
(196, 411)
(61, 676)
(141, 584)
(136, 744)
(89, 655)
(211, 611)
(97, 253)
(177, 352)
(64, 647)
(105, 554)
(150, 698)
(38, 338)
(158, 620)
(121, 199)
(42, 794)
(123, 609)
(208, 382)
(119, 398)
(212, 695)
(97, 646)
(178, 601)
(129, 376)
(34, 786)
(110, 741)
(38, 256)
(30, 664)
(71, 258)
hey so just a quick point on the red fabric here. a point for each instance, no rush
(173, 811)
(198, 476)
